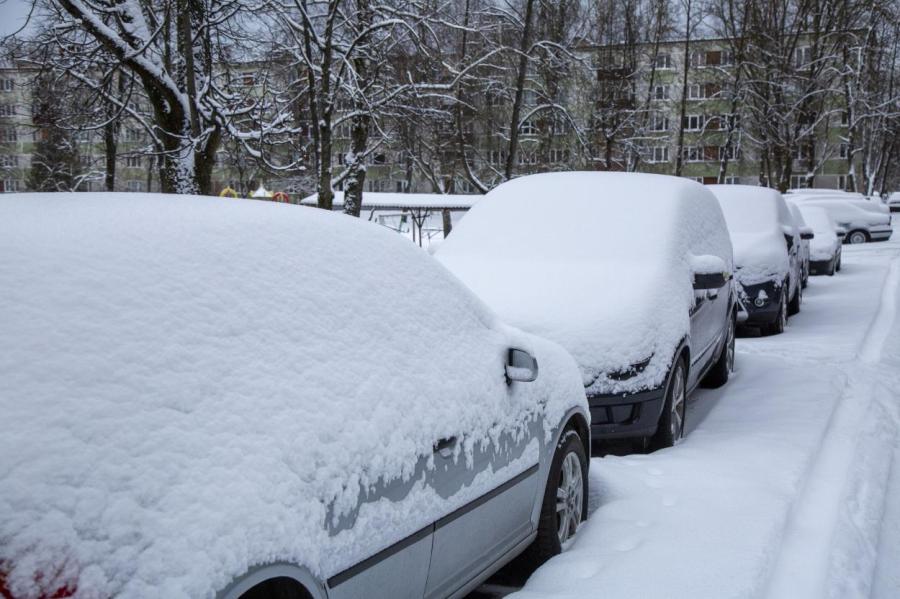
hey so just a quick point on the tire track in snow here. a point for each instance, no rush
(832, 517)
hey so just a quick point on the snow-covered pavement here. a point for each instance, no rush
(785, 487)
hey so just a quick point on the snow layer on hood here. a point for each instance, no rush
(758, 219)
(600, 262)
(190, 386)
(823, 246)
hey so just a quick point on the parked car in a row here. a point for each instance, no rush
(207, 397)
(866, 219)
(825, 247)
(767, 253)
(629, 272)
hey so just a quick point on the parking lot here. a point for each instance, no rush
(785, 485)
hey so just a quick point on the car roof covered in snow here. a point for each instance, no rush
(398, 201)
(758, 219)
(180, 374)
(599, 262)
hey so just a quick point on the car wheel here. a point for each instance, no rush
(857, 237)
(838, 267)
(777, 327)
(721, 370)
(671, 422)
(794, 306)
(565, 500)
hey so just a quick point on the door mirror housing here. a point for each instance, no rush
(807, 233)
(710, 272)
(521, 366)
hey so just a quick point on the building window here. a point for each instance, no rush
(379, 159)
(7, 110)
(695, 92)
(693, 122)
(133, 135)
(798, 181)
(133, 162)
(9, 134)
(659, 122)
(845, 118)
(7, 85)
(659, 154)
(802, 152)
(729, 152)
(693, 154)
(10, 185)
(844, 150)
(558, 155)
(802, 57)
(842, 181)
(713, 58)
(698, 59)
(400, 186)
(9, 160)
(497, 157)
(731, 180)
(529, 128)
(661, 92)
(135, 185)
(663, 61)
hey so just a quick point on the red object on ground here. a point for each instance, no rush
(62, 593)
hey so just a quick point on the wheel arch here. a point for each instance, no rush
(260, 574)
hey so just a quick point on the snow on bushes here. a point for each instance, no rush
(189, 386)
(600, 262)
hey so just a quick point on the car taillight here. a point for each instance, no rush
(63, 593)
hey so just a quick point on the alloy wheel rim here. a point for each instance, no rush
(569, 498)
(677, 420)
(857, 238)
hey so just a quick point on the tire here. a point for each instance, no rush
(671, 422)
(856, 237)
(777, 327)
(552, 535)
(721, 370)
(838, 267)
(794, 305)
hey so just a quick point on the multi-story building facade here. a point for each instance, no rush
(620, 109)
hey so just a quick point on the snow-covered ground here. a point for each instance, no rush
(787, 485)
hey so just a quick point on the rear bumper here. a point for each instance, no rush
(624, 415)
(821, 267)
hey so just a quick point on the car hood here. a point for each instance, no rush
(608, 316)
(760, 257)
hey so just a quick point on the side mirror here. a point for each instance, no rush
(521, 366)
(806, 233)
(710, 272)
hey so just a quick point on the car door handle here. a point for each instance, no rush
(445, 447)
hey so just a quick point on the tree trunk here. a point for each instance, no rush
(679, 149)
(512, 152)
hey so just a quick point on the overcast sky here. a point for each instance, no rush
(12, 15)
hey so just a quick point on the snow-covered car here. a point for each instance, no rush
(766, 253)
(869, 204)
(860, 224)
(825, 247)
(629, 272)
(893, 201)
(806, 235)
(205, 397)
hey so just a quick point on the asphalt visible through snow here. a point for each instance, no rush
(787, 485)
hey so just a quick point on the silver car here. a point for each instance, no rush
(208, 397)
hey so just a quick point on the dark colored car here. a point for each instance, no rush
(629, 272)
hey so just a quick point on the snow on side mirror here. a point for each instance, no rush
(521, 366)
(806, 233)
(710, 272)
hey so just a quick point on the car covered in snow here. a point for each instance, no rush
(893, 201)
(226, 398)
(806, 235)
(825, 247)
(766, 253)
(629, 272)
(874, 205)
(861, 224)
